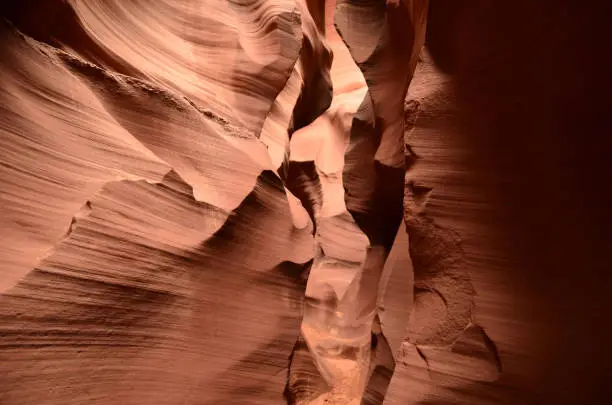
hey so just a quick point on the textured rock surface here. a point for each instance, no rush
(497, 153)
(138, 197)
(175, 178)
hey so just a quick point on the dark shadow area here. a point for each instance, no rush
(532, 80)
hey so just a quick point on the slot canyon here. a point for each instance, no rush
(305, 202)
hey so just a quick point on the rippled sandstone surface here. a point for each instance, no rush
(303, 202)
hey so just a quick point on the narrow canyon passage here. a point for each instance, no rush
(351, 161)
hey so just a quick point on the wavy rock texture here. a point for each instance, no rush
(169, 181)
(343, 160)
(137, 195)
(291, 201)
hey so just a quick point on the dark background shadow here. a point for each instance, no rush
(533, 83)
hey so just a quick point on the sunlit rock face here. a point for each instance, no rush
(267, 202)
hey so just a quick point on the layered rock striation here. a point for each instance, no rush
(291, 201)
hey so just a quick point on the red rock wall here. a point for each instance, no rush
(175, 178)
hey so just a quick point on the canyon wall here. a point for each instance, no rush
(304, 202)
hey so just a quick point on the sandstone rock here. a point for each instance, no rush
(290, 201)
